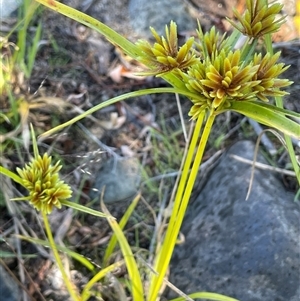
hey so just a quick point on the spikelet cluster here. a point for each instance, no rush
(43, 183)
(259, 18)
(212, 70)
(165, 55)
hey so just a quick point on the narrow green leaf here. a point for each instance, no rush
(207, 296)
(86, 291)
(4, 254)
(114, 100)
(113, 241)
(83, 208)
(280, 109)
(268, 115)
(85, 262)
(32, 51)
(88, 21)
(34, 143)
(133, 271)
(11, 175)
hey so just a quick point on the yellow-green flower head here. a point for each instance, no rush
(267, 74)
(42, 181)
(259, 18)
(210, 43)
(165, 55)
(220, 81)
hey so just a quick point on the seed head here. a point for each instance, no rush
(219, 81)
(210, 43)
(42, 181)
(165, 55)
(267, 75)
(259, 18)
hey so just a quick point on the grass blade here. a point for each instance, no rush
(85, 262)
(137, 290)
(207, 296)
(110, 34)
(113, 241)
(101, 274)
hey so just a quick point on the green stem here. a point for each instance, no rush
(67, 282)
(198, 159)
(247, 51)
(180, 205)
(186, 167)
(34, 143)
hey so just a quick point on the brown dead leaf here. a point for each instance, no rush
(120, 71)
(114, 123)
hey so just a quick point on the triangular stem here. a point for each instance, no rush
(182, 198)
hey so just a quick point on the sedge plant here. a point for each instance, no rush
(46, 191)
(215, 77)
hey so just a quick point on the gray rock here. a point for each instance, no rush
(213, 8)
(249, 250)
(157, 13)
(120, 177)
(7, 7)
(9, 290)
